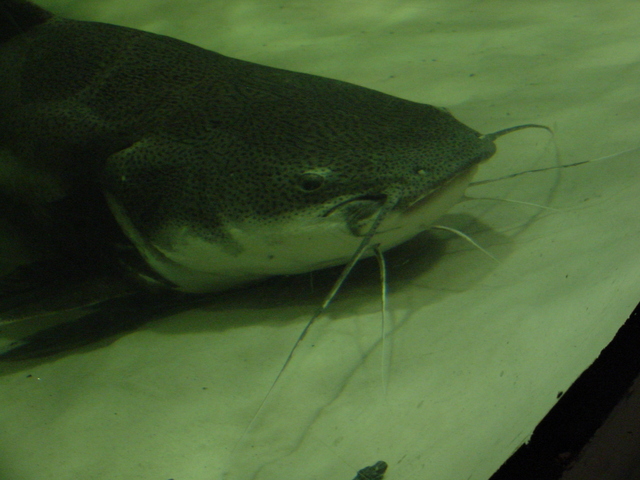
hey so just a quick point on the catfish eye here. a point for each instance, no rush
(309, 182)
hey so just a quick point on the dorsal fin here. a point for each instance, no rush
(18, 16)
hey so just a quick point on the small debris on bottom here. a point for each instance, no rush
(374, 472)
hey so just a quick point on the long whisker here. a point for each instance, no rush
(467, 238)
(383, 327)
(467, 198)
(546, 169)
(391, 201)
(492, 136)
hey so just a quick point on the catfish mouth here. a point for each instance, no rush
(409, 195)
(358, 211)
(423, 198)
(378, 198)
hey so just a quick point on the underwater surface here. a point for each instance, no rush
(475, 349)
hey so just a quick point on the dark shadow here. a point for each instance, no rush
(78, 329)
(561, 435)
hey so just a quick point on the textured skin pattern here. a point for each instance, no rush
(185, 137)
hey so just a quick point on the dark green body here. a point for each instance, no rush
(184, 137)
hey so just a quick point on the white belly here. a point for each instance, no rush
(280, 248)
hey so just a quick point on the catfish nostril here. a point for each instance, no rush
(309, 182)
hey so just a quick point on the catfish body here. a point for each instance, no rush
(210, 165)
(150, 160)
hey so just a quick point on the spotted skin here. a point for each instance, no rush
(180, 168)
(180, 138)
